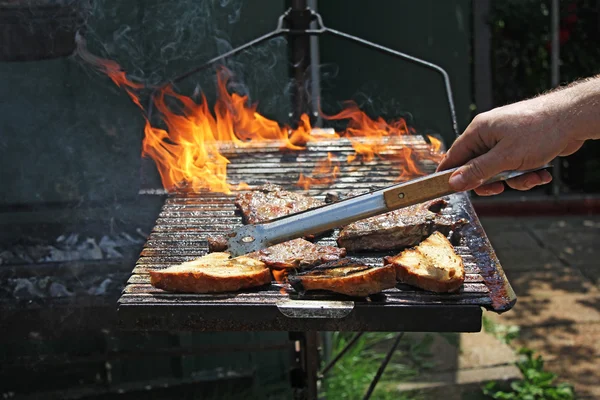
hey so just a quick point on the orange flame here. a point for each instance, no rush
(361, 126)
(188, 151)
(324, 173)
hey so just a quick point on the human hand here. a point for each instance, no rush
(520, 136)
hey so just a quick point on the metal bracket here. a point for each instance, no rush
(315, 308)
(321, 29)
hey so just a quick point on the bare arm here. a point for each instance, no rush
(525, 135)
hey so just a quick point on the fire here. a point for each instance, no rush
(360, 126)
(188, 150)
(324, 173)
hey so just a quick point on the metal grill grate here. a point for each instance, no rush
(186, 220)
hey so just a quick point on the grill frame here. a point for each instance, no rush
(187, 218)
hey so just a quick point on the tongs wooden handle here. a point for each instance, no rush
(414, 192)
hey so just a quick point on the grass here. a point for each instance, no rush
(537, 383)
(351, 376)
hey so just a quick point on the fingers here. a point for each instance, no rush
(530, 180)
(490, 189)
(469, 145)
(478, 170)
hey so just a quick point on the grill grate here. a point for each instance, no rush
(186, 219)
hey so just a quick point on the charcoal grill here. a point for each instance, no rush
(187, 219)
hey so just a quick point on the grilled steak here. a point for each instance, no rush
(217, 243)
(215, 272)
(297, 253)
(346, 276)
(432, 265)
(271, 201)
(398, 229)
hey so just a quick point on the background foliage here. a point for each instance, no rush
(521, 45)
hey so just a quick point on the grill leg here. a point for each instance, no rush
(306, 367)
(382, 367)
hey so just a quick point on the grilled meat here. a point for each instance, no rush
(432, 265)
(212, 273)
(271, 201)
(397, 229)
(297, 253)
(346, 276)
(217, 243)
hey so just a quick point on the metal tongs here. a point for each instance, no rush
(249, 238)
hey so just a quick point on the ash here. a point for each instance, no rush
(74, 265)
(72, 247)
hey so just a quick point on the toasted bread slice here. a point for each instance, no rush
(215, 272)
(432, 265)
(346, 276)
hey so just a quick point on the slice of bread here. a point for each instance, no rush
(215, 272)
(432, 265)
(346, 276)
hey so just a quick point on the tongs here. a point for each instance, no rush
(250, 238)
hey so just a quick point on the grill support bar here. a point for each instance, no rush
(338, 356)
(383, 365)
(321, 29)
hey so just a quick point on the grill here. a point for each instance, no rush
(187, 219)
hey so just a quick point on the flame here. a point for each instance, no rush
(361, 126)
(280, 275)
(324, 173)
(436, 144)
(110, 68)
(188, 149)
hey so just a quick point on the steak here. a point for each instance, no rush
(399, 228)
(271, 201)
(432, 265)
(346, 276)
(297, 253)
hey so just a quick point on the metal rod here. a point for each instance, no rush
(555, 81)
(382, 367)
(275, 33)
(339, 355)
(311, 357)
(299, 45)
(315, 73)
(410, 58)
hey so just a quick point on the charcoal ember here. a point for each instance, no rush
(26, 289)
(102, 289)
(109, 247)
(59, 290)
(10, 257)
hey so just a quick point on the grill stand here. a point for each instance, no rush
(305, 376)
(305, 371)
(186, 218)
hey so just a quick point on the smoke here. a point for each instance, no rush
(155, 42)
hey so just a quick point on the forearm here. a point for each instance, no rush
(576, 108)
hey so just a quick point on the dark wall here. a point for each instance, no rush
(436, 31)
